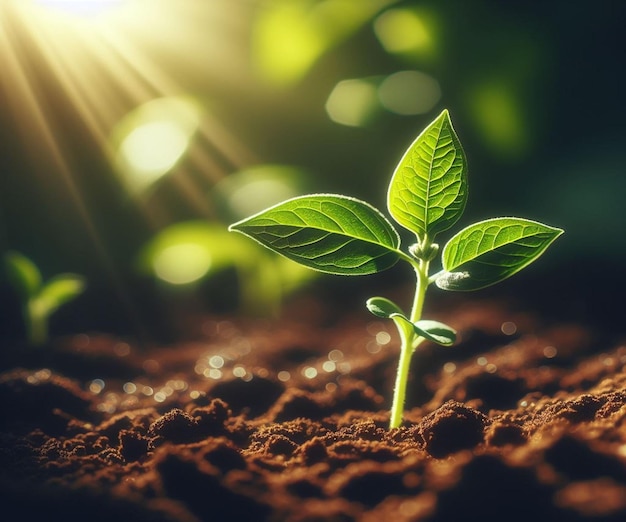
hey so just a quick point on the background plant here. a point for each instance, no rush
(427, 195)
(39, 299)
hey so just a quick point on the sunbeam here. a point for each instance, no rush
(92, 63)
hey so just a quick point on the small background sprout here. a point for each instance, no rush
(341, 235)
(39, 299)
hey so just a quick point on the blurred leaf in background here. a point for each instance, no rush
(185, 253)
(408, 32)
(289, 36)
(39, 299)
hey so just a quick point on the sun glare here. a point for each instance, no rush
(154, 148)
(72, 72)
(150, 140)
(80, 7)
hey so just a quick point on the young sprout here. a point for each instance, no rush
(39, 300)
(427, 195)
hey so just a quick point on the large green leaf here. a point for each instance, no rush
(23, 274)
(487, 252)
(428, 190)
(326, 232)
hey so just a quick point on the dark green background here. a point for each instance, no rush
(563, 60)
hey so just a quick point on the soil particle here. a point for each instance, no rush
(597, 499)
(495, 391)
(223, 455)
(133, 445)
(578, 461)
(503, 433)
(41, 398)
(175, 426)
(451, 428)
(252, 397)
(489, 488)
(198, 485)
(211, 418)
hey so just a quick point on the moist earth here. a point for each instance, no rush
(286, 420)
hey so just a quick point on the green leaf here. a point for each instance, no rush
(435, 331)
(382, 307)
(487, 252)
(428, 190)
(326, 232)
(23, 274)
(432, 330)
(59, 290)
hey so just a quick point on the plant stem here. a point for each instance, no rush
(399, 392)
(409, 342)
(36, 323)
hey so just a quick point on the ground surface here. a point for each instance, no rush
(524, 419)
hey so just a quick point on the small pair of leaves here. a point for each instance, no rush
(434, 331)
(490, 251)
(44, 297)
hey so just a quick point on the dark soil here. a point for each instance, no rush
(286, 421)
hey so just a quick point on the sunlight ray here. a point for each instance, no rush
(63, 68)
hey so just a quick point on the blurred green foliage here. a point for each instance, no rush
(39, 299)
(336, 88)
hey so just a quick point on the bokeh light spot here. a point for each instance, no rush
(309, 372)
(152, 139)
(182, 264)
(499, 118)
(154, 148)
(255, 188)
(352, 102)
(409, 93)
(402, 30)
(508, 328)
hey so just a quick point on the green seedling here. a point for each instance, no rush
(427, 195)
(39, 300)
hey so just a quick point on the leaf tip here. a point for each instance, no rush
(382, 307)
